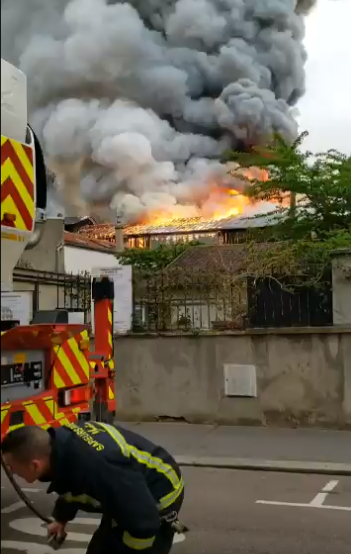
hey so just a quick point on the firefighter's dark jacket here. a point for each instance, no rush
(109, 470)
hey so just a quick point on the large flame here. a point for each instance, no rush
(221, 202)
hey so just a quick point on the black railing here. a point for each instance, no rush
(77, 293)
(51, 290)
(191, 300)
(197, 301)
(290, 302)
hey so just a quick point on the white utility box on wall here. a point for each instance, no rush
(240, 380)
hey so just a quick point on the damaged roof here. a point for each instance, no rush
(198, 224)
(78, 240)
(179, 226)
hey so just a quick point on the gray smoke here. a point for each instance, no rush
(305, 6)
(144, 96)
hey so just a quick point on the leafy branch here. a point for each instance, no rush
(154, 259)
(314, 193)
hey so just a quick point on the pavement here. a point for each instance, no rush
(246, 512)
(254, 448)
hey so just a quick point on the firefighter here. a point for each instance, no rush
(136, 486)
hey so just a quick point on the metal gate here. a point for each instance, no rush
(287, 302)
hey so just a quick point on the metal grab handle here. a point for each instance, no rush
(172, 520)
(56, 541)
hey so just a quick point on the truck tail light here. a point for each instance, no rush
(75, 396)
(8, 220)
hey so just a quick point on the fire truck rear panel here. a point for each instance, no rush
(45, 375)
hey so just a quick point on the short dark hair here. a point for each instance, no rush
(27, 443)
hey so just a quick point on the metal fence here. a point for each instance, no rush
(187, 301)
(77, 294)
(51, 290)
(289, 302)
(195, 300)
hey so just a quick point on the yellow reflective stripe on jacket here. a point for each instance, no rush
(155, 463)
(117, 437)
(81, 499)
(149, 461)
(170, 498)
(137, 544)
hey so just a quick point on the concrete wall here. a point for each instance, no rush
(303, 377)
(45, 256)
(79, 260)
(342, 288)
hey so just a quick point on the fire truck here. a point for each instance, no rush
(49, 375)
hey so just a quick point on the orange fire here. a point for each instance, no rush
(222, 202)
(219, 205)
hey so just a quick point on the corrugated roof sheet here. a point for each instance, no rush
(198, 224)
(178, 226)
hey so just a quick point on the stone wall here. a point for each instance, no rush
(342, 287)
(303, 377)
(45, 256)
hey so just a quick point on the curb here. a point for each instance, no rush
(318, 468)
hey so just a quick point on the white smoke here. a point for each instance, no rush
(144, 96)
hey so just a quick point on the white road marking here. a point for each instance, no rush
(17, 505)
(178, 538)
(321, 497)
(33, 526)
(297, 505)
(33, 548)
(13, 507)
(329, 487)
(317, 502)
(24, 489)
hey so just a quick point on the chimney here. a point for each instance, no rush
(119, 234)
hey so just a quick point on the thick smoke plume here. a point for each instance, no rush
(135, 101)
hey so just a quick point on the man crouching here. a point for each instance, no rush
(136, 486)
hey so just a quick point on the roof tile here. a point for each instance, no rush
(233, 258)
(80, 241)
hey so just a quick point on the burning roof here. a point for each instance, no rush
(179, 226)
(197, 224)
(223, 208)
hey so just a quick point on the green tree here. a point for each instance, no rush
(314, 192)
(155, 259)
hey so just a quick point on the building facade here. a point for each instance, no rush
(213, 232)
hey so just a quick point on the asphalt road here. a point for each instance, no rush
(224, 515)
(263, 443)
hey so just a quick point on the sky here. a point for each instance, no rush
(325, 110)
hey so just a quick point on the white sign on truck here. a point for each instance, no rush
(123, 302)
